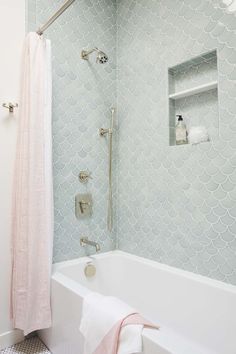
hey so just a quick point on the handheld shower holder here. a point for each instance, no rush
(103, 131)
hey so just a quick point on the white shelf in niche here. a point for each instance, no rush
(193, 93)
(194, 90)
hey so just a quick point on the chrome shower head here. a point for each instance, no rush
(102, 58)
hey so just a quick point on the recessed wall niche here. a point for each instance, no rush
(193, 93)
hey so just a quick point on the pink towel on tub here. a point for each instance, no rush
(110, 343)
(109, 326)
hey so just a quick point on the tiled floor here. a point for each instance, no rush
(29, 346)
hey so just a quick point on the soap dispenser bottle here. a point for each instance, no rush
(180, 131)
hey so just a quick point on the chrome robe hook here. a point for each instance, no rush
(10, 106)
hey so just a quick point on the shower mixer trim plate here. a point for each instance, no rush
(83, 205)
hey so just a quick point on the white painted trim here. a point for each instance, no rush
(12, 27)
(10, 338)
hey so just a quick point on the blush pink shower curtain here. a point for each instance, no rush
(32, 226)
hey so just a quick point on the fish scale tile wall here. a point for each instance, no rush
(83, 93)
(176, 205)
(180, 207)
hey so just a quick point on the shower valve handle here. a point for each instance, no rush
(82, 205)
(84, 176)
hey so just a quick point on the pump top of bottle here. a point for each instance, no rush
(180, 118)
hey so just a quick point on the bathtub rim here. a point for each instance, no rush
(155, 264)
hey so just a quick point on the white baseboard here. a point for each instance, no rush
(10, 338)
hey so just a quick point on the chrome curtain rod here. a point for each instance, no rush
(52, 19)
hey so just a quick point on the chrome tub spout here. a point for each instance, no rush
(85, 241)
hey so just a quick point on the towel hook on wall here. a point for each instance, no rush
(10, 106)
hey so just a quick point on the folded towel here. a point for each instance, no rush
(129, 339)
(125, 337)
(100, 314)
(110, 326)
(197, 135)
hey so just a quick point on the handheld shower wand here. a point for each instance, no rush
(103, 132)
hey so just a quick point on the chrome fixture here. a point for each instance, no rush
(85, 241)
(103, 132)
(90, 270)
(231, 5)
(84, 176)
(52, 19)
(10, 106)
(83, 205)
(102, 58)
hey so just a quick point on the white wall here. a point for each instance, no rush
(12, 31)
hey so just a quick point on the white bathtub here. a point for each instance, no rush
(197, 315)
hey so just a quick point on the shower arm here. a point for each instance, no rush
(85, 53)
